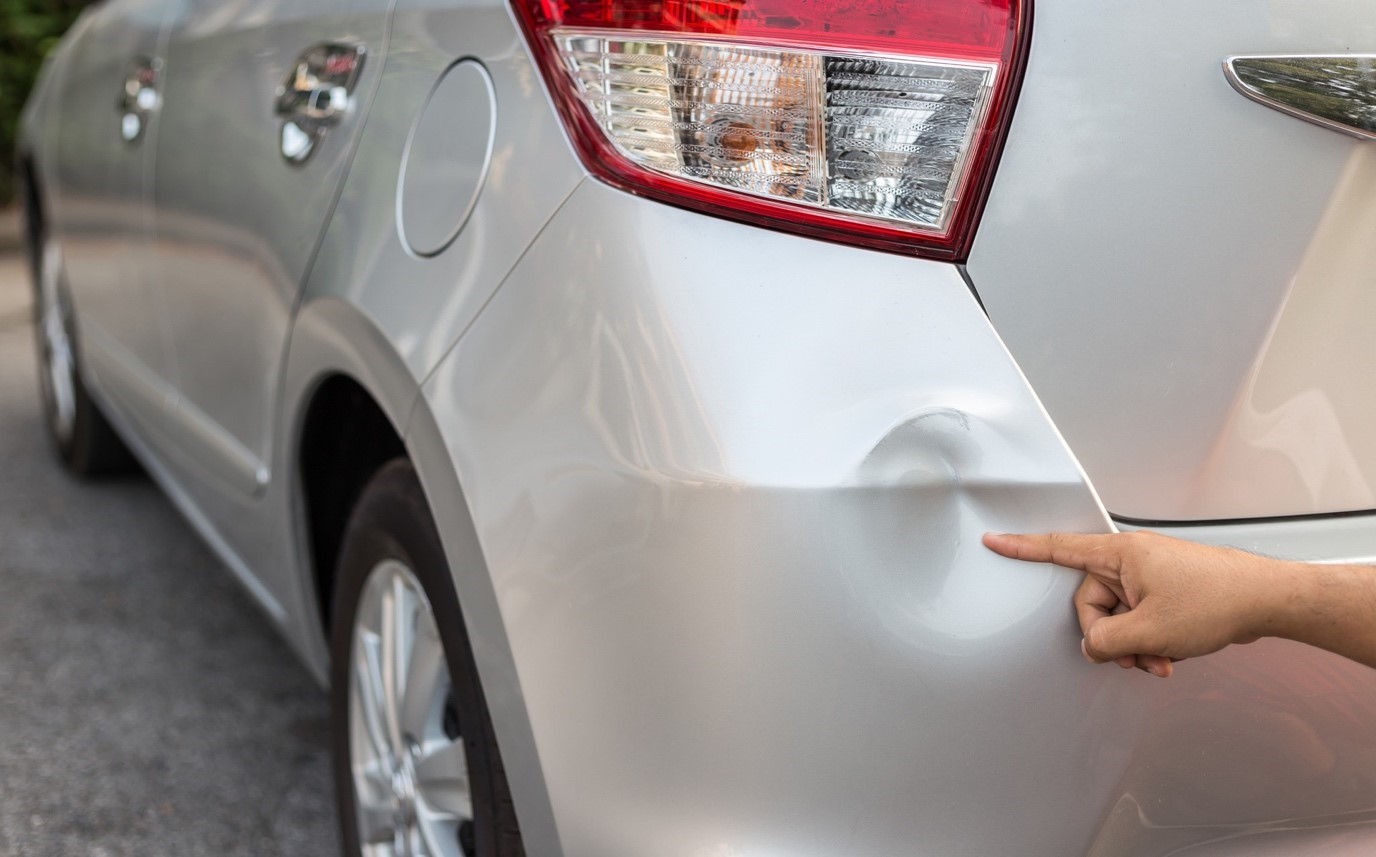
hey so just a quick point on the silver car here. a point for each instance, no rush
(606, 399)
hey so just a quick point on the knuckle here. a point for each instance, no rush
(1137, 539)
(1136, 544)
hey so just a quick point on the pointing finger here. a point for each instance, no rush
(1094, 555)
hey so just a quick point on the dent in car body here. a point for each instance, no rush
(743, 558)
(713, 496)
(742, 583)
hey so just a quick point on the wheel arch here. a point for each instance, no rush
(345, 439)
(339, 362)
(30, 198)
(346, 398)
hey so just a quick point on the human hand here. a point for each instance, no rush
(1147, 599)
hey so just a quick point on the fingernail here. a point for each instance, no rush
(1084, 650)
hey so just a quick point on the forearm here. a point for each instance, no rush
(1149, 599)
(1332, 607)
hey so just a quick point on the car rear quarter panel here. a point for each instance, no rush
(730, 485)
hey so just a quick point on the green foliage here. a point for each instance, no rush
(28, 30)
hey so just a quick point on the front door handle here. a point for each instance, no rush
(316, 95)
(139, 98)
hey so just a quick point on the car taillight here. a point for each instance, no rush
(870, 121)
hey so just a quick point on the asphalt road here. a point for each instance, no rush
(146, 707)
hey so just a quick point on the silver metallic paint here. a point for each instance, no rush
(236, 225)
(1338, 538)
(98, 189)
(447, 158)
(1175, 269)
(329, 337)
(532, 171)
(747, 460)
(491, 646)
(778, 633)
(712, 498)
(151, 448)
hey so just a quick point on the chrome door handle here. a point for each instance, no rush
(316, 95)
(139, 98)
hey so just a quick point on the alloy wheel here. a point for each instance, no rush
(409, 767)
(56, 351)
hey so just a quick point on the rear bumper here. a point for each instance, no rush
(729, 487)
(1342, 538)
(1339, 538)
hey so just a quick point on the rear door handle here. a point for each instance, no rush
(139, 98)
(316, 95)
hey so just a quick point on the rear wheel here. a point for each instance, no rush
(417, 768)
(85, 441)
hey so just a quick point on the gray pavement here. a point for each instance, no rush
(146, 707)
(11, 228)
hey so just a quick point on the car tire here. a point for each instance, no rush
(85, 441)
(397, 766)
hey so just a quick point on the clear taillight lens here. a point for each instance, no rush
(862, 120)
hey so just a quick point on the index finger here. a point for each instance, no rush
(1091, 554)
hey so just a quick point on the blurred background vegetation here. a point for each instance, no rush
(28, 30)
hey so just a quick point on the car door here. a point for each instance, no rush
(109, 124)
(262, 106)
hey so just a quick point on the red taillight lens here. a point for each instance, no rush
(870, 121)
